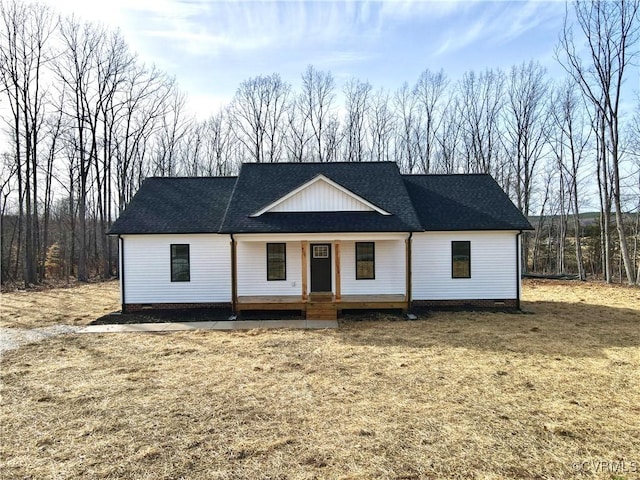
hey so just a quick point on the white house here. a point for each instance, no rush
(321, 238)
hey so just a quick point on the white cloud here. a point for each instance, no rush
(456, 40)
(432, 9)
(212, 45)
(497, 23)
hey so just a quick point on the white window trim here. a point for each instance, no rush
(325, 248)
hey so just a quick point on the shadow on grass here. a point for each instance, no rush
(165, 316)
(193, 315)
(554, 329)
(551, 328)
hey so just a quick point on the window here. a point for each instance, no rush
(460, 259)
(276, 261)
(180, 270)
(365, 261)
(320, 251)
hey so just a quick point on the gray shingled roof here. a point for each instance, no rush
(463, 202)
(224, 204)
(176, 205)
(260, 184)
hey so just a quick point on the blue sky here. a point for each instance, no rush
(210, 46)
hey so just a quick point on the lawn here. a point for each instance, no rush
(550, 394)
(77, 305)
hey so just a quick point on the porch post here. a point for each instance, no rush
(408, 269)
(337, 268)
(121, 273)
(234, 275)
(303, 249)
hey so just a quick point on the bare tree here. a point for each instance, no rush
(221, 146)
(77, 71)
(332, 138)
(480, 106)
(24, 38)
(54, 131)
(258, 110)
(448, 137)
(144, 99)
(83, 118)
(543, 218)
(408, 136)
(357, 106)
(429, 93)
(191, 150)
(316, 108)
(571, 133)
(7, 187)
(114, 66)
(208, 147)
(298, 136)
(611, 31)
(526, 126)
(175, 123)
(633, 150)
(634, 133)
(605, 196)
(381, 127)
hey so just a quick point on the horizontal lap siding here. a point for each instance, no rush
(390, 269)
(493, 266)
(147, 269)
(252, 270)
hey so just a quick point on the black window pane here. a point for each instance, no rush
(365, 261)
(180, 268)
(276, 261)
(461, 259)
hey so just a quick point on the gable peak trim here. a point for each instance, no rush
(319, 178)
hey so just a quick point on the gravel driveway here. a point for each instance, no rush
(12, 338)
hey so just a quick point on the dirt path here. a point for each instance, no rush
(29, 316)
(12, 338)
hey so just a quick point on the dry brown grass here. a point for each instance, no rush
(456, 395)
(76, 305)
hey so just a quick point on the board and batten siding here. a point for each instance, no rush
(147, 269)
(252, 270)
(390, 269)
(494, 259)
(321, 197)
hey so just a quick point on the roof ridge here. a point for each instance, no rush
(466, 174)
(368, 162)
(192, 177)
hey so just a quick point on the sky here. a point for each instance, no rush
(211, 46)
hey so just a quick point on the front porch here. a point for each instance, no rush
(321, 276)
(322, 306)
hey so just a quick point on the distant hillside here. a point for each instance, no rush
(586, 219)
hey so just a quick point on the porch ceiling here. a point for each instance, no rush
(320, 237)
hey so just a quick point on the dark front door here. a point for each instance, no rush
(321, 267)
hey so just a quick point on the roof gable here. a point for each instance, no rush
(320, 194)
(262, 186)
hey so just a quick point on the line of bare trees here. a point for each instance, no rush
(86, 121)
